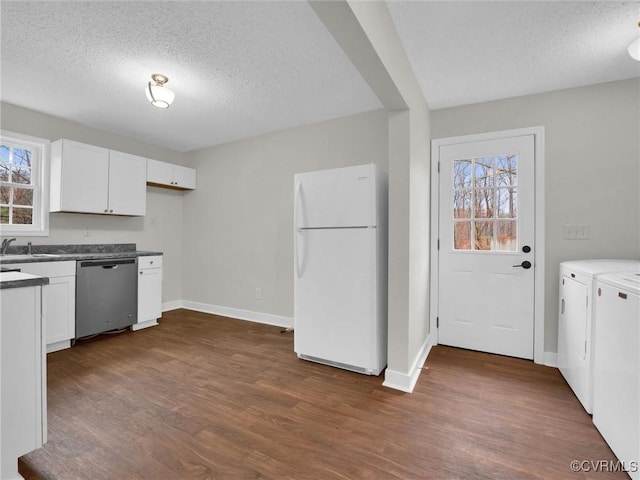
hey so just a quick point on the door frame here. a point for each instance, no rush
(539, 214)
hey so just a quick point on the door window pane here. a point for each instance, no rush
(483, 172)
(462, 204)
(462, 235)
(483, 236)
(506, 170)
(484, 202)
(507, 236)
(485, 191)
(506, 202)
(462, 177)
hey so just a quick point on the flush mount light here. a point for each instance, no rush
(159, 95)
(634, 48)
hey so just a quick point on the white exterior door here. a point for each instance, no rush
(486, 256)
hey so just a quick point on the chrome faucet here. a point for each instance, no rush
(5, 244)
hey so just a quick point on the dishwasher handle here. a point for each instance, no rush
(108, 263)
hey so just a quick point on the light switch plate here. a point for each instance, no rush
(576, 232)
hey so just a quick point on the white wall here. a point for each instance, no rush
(592, 167)
(159, 230)
(238, 224)
(409, 161)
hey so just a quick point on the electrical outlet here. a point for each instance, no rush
(258, 293)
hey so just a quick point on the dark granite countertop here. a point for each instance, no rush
(61, 253)
(19, 280)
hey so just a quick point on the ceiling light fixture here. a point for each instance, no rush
(159, 95)
(634, 48)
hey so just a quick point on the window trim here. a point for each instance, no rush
(40, 174)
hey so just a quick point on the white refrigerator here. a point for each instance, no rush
(340, 268)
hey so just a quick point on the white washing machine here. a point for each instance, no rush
(575, 321)
(616, 387)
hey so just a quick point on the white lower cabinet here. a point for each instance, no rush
(23, 401)
(149, 291)
(59, 298)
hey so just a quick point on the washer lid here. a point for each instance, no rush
(596, 267)
(628, 281)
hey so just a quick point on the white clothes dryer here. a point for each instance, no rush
(616, 392)
(575, 321)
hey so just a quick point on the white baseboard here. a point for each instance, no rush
(54, 347)
(258, 317)
(173, 305)
(551, 359)
(405, 382)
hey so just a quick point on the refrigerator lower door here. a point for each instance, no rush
(335, 298)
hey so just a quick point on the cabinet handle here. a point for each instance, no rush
(106, 210)
(111, 211)
(140, 273)
(151, 262)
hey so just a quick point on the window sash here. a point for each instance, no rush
(39, 185)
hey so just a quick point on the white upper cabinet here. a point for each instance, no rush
(127, 184)
(162, 174)
(89, 179)
(79, 175)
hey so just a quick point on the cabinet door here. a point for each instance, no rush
(22, 373)
(127, 184)
(149, 294)
(184, 177)
(59, 307)
(159, 172)
(84, 178)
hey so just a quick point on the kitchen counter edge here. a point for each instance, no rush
(63, 257)
(20, 280)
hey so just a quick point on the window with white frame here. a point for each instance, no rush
(23, 189)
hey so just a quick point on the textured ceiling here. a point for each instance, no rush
(238, 69)
(470, 52)
(241, 69)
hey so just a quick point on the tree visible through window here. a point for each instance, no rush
(485, 203)
(16, 190)
(22, 210)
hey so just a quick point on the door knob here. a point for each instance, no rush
(526, 265)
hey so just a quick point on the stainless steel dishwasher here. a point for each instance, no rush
(106, 295)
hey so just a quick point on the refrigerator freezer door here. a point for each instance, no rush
(335, 307)
(340, 197)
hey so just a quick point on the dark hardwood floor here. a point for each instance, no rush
(206, 397)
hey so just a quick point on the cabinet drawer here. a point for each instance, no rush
(47, 269)
(150, 262)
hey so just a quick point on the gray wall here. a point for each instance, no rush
(409, 159)
(592, 167)
(159, 230)
(238, 224)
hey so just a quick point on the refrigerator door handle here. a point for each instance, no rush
(299, 207)
(299, 219)
(299, 246)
